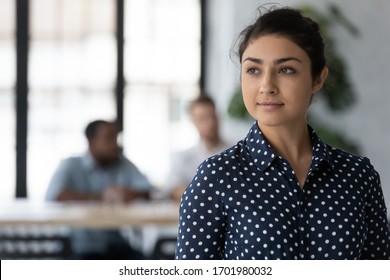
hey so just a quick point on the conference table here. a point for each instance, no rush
(22, 212)
(22, 219)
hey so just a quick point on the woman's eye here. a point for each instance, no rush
(287, 70)
(252, 71)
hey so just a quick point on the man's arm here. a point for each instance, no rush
(111, 194)
(126, 194)
(70, 195)
(177, 192)
(133, 184)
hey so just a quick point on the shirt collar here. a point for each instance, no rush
(321, 151)
(258, 148)
(263, 155)
(88, 161)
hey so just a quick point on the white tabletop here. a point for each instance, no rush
(88, 215)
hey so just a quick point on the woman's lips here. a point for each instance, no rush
(269, 106)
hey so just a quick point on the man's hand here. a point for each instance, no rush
(118, 194)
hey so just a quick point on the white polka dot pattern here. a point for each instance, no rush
(246, 203)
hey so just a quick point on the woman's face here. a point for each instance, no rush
(277, 84)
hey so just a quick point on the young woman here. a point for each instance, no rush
(281, 193)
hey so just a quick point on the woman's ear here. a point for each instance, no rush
(319, 82)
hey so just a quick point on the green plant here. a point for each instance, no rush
(338, 92)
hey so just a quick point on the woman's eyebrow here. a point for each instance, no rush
(285, 59)
(276, 61)
(253, 59)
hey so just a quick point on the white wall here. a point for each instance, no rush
(367, 57)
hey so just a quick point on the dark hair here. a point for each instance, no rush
(202, 99)
(290, 23)
(93, 127)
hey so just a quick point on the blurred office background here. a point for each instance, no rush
(141, 61)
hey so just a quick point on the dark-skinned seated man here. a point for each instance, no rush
(103, 174)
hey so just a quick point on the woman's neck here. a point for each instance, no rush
(291, 143)
(294, 145)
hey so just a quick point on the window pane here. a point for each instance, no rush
(162, 70)
(72, 70)
(156, 49)
(7, 105)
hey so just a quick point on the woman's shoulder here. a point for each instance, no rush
(227, 157)
(220, 165)
(215, 172)
(344, 159)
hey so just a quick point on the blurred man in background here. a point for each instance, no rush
(184, 164)
(102, 174)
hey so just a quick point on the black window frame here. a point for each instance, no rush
(21, 89)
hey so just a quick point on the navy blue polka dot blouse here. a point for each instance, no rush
(246, 203)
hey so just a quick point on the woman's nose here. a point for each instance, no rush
(267, 84)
